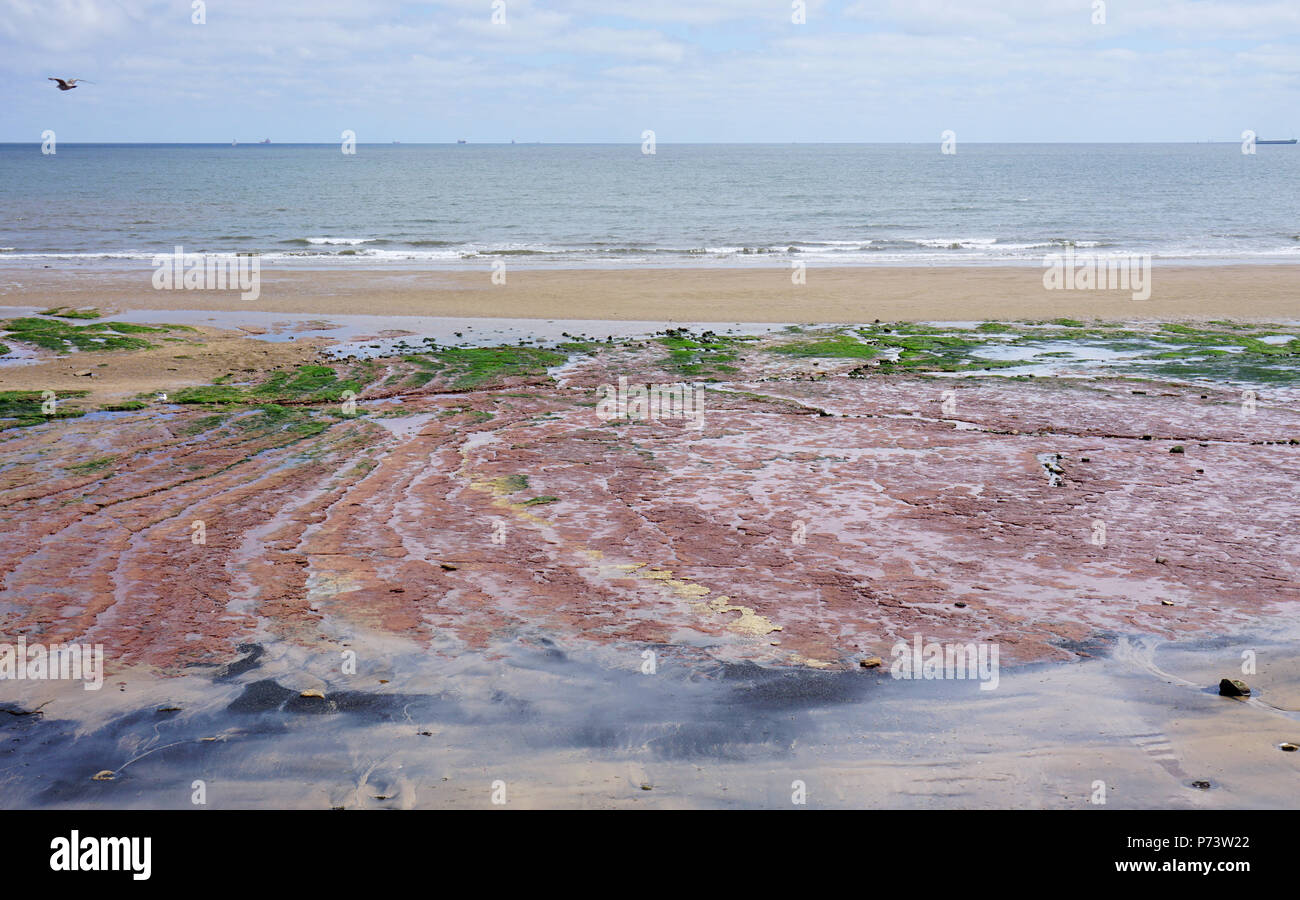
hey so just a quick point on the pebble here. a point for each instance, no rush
(1230, 687)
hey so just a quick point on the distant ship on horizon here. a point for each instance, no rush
(1291, 141)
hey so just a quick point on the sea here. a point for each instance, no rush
(464, 206)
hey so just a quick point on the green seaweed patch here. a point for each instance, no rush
(123, 406)
(63, 337)
(838, 347)
(1219, 355)
(63, 312)
(272, 417)
(91, 466)
(538, 501)
(130, 328)
(921, 348)
(205, 423)
(211, 394)
(707, 356)
(511, 484)
(310, 382)
(578, 347)
(1231, 367)
(26, 406)
(471, 367)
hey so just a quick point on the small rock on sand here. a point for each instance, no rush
(1231, 687)
(871, 662)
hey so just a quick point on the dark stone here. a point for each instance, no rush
(1230, 687)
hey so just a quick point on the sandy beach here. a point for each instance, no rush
(850, 295)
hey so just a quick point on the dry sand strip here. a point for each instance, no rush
(1267, 292)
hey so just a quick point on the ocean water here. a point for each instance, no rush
(463, 206)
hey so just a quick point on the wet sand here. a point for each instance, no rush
(690, 295)
(560, 727)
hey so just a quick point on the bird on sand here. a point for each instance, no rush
(67, 84)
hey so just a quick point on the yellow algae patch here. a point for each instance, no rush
(322, 585)
(501, 486)
(684, 589)
(748, 623)
(679, 587)
(808, 661)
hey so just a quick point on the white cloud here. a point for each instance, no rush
(714, 69)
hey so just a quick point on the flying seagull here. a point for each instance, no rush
(68, 84)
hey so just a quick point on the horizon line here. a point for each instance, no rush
(629, 143)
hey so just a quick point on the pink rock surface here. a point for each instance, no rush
(807, 522)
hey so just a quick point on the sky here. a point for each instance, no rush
(689, 70)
